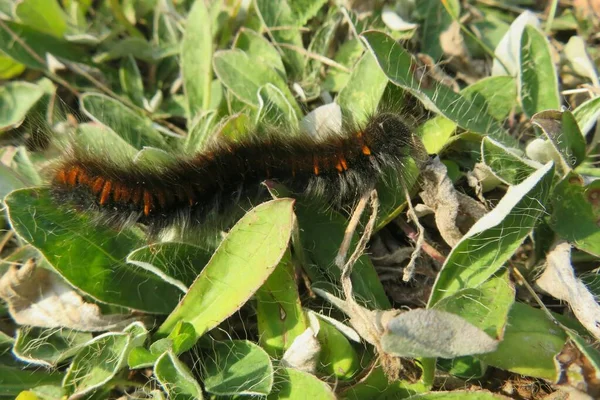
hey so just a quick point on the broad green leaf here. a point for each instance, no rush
(14, 380)
(435, 133)
(176, 263)
(241, 264)
(131, 80)
(136, 129)
(97, 363)
(530, 343)
(48, 347)
(196, 55)
(538, 83)
(321, 233)
(504, 163)
(136, 47)
(347, 55)
(494, 238)
(486, 306)
(98, 139)
(398, 65)
(433, 333)
(276, 110)
(44, 15)
(377, 386)
(200, 131)
(437, 20)
(338, 357)
(232, 68)
(303, 10)
(576, 212)
(278, 14)
(9, 68)
(497, 95)
(237, 367)
(259, 48)
(508, 50)
(176, 378)
(360, 97)
(295, 384)
(38, 43)
(587, 114)
(579, 59)
(90, 257)
(235, 127)
(16, 99)
(564, 134)
(278, 309)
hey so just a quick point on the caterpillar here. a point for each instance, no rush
(336, 170)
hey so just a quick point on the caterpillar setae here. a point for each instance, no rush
(336, 170)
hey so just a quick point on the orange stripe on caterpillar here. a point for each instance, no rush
(190, 189)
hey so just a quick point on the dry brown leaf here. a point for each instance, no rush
(39, 297)
(558, 279)
(440, 195)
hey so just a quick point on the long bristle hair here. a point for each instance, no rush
(192, 190)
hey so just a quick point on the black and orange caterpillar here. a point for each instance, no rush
(336, 170)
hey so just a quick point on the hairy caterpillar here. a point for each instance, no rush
(335, 170)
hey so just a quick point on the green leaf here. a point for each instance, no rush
(303, 10)
(437, 20)
(486, 306)
(321, 233)
(131, 80)
(98, 139)
(259, 48)
(347, 55)
(200, 132)
(497, 95)
(538, 89)
(576, 212)
(44, 15)
(338, 357)
(564, 134)
(16, 99)
(9, 68)
(528, 329)
(136, 129)
(176, 263)
(433, 333)
(97, 363)
(504, 163)
(14, 380)
(360, 97)
(196, 55)
(278, 13)
(275, 109)
(38, 43)
(238, 367)
(493, 239)
(294, 384)
(90, 257)
(278, 309)
(398, 65)
(176, 378)
(376, 386)
(241, 264)
(586, 114)
(48, 347)
(232, 68)
(435, 132)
